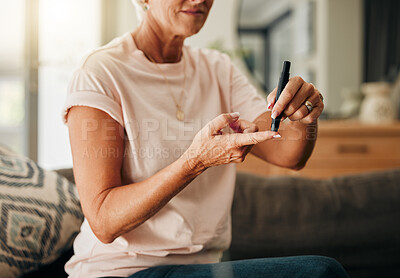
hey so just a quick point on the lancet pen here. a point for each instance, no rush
(283, 80)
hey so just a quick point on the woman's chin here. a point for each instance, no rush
(191, 25)
(193, 29)
(188, 32)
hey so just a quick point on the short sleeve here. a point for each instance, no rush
(244, 97)
(87, 89)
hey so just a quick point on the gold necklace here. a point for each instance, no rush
(180, 115)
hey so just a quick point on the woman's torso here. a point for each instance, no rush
(194, 227)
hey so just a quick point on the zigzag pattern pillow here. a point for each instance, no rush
(40, 215)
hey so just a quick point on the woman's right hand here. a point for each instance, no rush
(210, 147)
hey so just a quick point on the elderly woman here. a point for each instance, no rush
(155, 129)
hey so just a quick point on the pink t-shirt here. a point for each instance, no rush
(195, 226)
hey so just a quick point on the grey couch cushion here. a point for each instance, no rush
(355, 219)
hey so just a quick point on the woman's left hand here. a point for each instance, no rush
(299, 101)
(244, 126)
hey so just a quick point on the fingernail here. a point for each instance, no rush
(235, 115)
(274, 114)
(269, 105)
(277, 136)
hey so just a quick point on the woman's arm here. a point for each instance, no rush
(299, 133)
(113, 209)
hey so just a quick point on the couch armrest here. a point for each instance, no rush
(67, 173)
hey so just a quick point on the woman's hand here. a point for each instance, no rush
(292, 102)
(211, 147)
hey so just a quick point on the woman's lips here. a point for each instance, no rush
(193, 12)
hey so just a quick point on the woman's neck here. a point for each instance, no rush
(157, 44)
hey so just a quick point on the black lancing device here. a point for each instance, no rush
(283, 80)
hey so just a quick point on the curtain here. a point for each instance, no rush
(382, 40)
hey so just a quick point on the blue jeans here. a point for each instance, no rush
(291, 267)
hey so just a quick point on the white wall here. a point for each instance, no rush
(343, 48)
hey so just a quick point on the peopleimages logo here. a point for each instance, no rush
(169, 154)
(145, 129)
(162, 139)
(138, 153)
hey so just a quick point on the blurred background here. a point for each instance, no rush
(348, 48)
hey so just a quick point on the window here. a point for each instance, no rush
(42, 41)
(68, 29)
(12, 83)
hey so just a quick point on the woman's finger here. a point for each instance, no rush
(291, 89)
(235, 126)
(246, 139)
(305, 92)
(271, 99)
(318, 107)
(252, 128)
(303, 111)
(312, 116)
(247, 150)
(243, 126)
(221, 121)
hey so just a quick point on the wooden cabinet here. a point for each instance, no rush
(342, 148)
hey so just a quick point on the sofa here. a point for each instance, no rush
(354, 219)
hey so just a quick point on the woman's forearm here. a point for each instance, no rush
(123, 208)
(293, 149)
(297, 144)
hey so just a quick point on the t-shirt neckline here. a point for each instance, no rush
(168, 68)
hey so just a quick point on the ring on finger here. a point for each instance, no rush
(309, 106)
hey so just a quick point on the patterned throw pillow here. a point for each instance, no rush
(40, 215)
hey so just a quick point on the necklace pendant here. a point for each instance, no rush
(180, 115)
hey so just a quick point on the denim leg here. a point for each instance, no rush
(290, 267)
